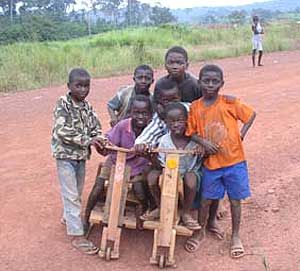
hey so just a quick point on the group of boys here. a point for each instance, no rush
(176, 116)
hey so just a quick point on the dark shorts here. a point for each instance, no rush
(233, 179)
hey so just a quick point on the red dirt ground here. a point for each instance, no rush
(30, 207)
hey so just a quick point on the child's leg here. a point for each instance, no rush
(153, 179)
(253, 57)
(71, 195)
(140, 194)
(260, 53)
(95, 194)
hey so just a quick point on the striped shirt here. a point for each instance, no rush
(152, 134)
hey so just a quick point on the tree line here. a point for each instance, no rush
(44, 20)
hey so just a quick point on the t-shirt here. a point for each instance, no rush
(122, 135)
(121, 101)
(226, 112)
(189, 87)
(187, 162)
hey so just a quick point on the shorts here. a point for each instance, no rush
(233, 179)
(257, 43)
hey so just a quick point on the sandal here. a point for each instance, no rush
(190, 222)
(216, 232)
(237, 251)
(85, 246)
(151, 215)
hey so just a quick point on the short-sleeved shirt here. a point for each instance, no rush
(226, 111)
(189, 87)
(122, 135)
(156, 128)
(121, 101)
(187, 162)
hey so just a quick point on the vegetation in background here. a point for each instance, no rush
(32, 65)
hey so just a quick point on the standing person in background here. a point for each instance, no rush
(257, 40)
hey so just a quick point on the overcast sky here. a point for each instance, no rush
(192, 3)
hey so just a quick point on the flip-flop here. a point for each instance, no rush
(216, 232)
(237, 251)
(150, 215)
(194, 243)
(190, 222)
(85, 246)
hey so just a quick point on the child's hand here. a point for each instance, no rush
(99, 142)
(142, 149)
(198, 150)
(210, 147)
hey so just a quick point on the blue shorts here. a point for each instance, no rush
(233, 179)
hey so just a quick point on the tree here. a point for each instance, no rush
(111, 8)
(237, 17)
(161, 15)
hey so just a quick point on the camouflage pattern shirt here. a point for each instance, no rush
(74, 127)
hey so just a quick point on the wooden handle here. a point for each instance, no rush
(157, 150)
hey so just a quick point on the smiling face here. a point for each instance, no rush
(176, 121)
(211, 82)
(167, 96)
(140, 114)
(79, 88)
(143, 80)
(176, 65)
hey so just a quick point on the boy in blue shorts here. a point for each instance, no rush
(225, 168)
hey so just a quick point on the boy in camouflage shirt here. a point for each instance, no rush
(76, 129)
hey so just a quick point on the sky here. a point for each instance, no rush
(193, 3)
(201, 3)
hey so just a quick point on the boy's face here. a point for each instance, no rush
(140, 114)
(167, 96)
(176, 65)
(211, 82)
(143, 80)
(79, 88)
(176, 122)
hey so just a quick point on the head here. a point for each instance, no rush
(141, 111)
(176, 118)
(255, 19)
(211, 80)
(143, 78)
(79, 84)
(176, 62)
(166, 91)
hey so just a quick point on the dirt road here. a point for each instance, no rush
(32, 238)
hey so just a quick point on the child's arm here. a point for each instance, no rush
(113, 116)
(247, 126)
(209, 147)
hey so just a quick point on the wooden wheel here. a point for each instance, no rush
(161, 262)
(108, 254)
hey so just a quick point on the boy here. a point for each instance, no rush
(189, 165)
(257, 40)
(225, 168)
(118, 106)
(167, 92)
(76, 129)
(176, 64)
(123, 134)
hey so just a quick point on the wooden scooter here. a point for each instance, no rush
(167, 229)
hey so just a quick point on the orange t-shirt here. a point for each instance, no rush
(225, 113)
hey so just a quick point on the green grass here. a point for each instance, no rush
(33, 65)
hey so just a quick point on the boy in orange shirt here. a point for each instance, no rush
(225, 168)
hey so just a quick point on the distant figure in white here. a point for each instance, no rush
(257, 30)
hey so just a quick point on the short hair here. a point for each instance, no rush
(164, 84)
(142, 98)
(143, 67)
(178, 50)
(177, 105)
(77, 73)
(210, 68)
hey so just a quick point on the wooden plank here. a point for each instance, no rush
(168, 200)
(116, 196)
